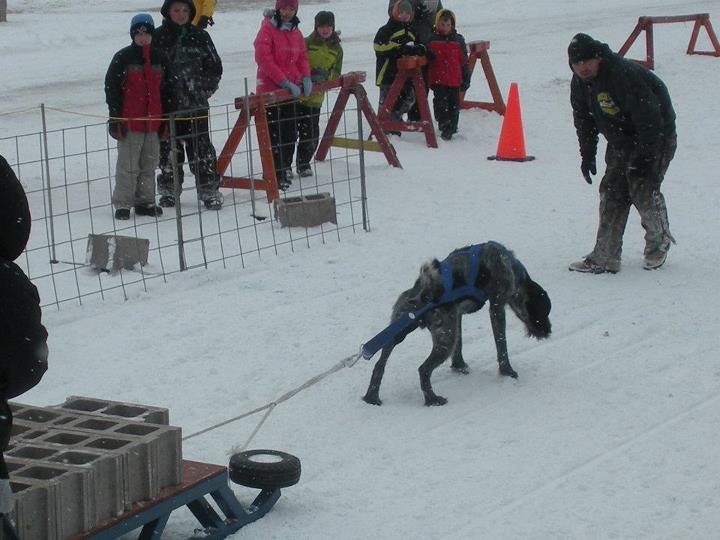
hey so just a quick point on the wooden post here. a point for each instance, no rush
(3, 10)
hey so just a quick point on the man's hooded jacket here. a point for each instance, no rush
(23, 349)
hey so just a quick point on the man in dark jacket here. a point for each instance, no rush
(630, 106)
(23, 351)
(194, 73)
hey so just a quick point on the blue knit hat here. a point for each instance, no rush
(142, 22)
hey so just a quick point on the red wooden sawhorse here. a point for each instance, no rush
(479, 50)
(646, 24)
(351, 84)
(409, 68)
(255, 106)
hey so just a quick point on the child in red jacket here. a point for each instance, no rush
(448, 72)
(133, 90)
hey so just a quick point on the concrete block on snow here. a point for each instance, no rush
(115, 252)
(306, 210)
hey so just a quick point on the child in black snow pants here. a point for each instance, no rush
(448, 73)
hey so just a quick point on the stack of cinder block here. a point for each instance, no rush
(72, 466)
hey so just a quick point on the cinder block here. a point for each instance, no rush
(52, 501)
(107, 471)
(117, 409)
(139, 481)
(164, 444)
(306, 210)
(115, 252)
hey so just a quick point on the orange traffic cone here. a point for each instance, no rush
(511, 146)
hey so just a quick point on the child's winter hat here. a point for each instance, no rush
(402, 6)
(142, 23)
(280, 4)
(165, 9)
(445, 14)
(583, 47)
(325, 18)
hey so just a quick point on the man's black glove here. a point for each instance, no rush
(588, 167)
(204, 22)
(117, 129)
(407, 49)
(641, 166)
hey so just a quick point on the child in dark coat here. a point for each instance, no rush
(448, 73)
(133, 86)
(392, 41)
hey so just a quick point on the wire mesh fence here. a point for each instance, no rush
(69, 176)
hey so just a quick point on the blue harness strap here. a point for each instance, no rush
(406, 323)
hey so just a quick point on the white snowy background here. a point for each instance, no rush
(611, 430)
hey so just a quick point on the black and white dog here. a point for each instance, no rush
(447, 290)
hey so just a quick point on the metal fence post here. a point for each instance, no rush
(53, 255)
(177, 191)
(363, 190)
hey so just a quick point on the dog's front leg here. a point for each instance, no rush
(497, 320)
(372, 395)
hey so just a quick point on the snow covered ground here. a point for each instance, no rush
(611, 428)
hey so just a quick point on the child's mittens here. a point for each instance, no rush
(294, 88)
(307, 84)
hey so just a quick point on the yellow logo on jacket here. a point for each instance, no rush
(607, 105)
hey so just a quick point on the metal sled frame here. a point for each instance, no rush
(200, 480)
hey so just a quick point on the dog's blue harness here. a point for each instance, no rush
(401, 327)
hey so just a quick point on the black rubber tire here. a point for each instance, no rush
(264, 469)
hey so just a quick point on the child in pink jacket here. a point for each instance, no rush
(282, 62)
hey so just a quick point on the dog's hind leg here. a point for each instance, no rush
(372, 395)
(497, 320)
(442, 323)
(458, 362)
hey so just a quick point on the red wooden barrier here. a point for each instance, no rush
(702, 20)
(255, 105)
(409, 68)
(479, 50)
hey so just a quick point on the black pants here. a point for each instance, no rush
(308, 126)
(446, 106)
(282, 123)
(191, 137)
(414, 113)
